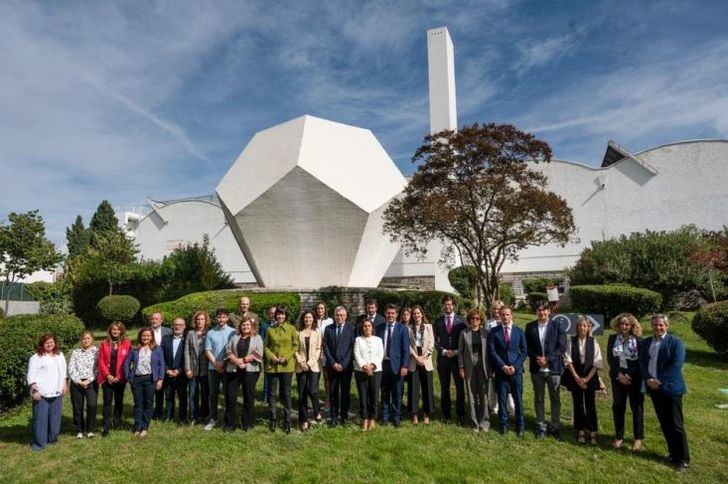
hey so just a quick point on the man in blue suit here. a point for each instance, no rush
(175, 381)
(339, 350)
(394, 367)
(371, 315)
(546, 342)
(507, 350)
(661, 358)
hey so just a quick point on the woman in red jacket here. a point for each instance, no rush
(112, 353)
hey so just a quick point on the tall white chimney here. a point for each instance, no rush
(441, 74)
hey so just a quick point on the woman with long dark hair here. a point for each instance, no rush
(422, 344)
(281, 346)
(307, 367)
(144, 368)
(47, 382)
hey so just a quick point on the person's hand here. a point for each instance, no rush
(158, 385)
(462, 373)
(541, 361)
(653, 384)
(450, 353)
(189, 374)
(403, 372)
(170, 373)
(338, 367)
(218, 366)
(36, 396)
(241, 364)
(624, 379)
(110, 379)
(248, 359)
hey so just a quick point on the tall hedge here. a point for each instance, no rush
(19, 336)
(209, 301)
(711, 324)
(612, 299)
(431, 301)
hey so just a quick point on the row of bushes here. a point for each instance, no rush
(612, 299)
(711, 324)
(430, 301)
(209, 301)
(19, 337)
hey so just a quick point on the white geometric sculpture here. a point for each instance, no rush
(305, 201)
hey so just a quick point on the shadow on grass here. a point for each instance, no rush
(707, 359)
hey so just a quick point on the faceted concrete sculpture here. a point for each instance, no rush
(305, 200)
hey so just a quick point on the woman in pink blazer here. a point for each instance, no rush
(422, 343)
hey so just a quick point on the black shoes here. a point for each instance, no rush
(272, 425)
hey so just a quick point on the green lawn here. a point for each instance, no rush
(435, 453)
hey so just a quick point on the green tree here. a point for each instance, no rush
(103, 221)
(24, 248)
(77, 238)
(111, 255)
(477, 192)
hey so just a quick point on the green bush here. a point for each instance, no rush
(611, 300)
(533, 298)
(711, 324)
(506, 295)
(537, 284)
(431, 301)
(464, 279)
(117, 308)
(53, 297)
(209, 301)
(19, 336)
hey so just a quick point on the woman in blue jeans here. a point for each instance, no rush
(144, 370)
(47, 382)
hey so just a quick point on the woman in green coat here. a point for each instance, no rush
(281, 346)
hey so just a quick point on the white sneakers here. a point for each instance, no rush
(210, 425)
(90, 435)
(79, 435)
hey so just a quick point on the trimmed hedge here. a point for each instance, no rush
(431, 301)
(534, 298)
(19, 336)
(537, 284)
(711, 324)
(612, 299)
(118, 308)
(210, 301)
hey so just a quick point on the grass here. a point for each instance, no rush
(440, 452)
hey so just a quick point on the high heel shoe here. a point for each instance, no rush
(287, 427)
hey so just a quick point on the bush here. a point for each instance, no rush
(19, 336)
(209, 301)
(53, 297)
(611, 300)
(117, 308)
(464, 279)
(533, 298)
(537, 285)
(431, 301)
(2, 313)
(711, 324)
(506, 295)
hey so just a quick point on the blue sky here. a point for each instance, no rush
(125, 100)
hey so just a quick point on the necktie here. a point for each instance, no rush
(338, 332)
(389, 339)
(508, 334)
(449, 324)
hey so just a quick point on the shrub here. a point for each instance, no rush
(209, 301)
(117, 308)
(19, 336)
(2, 313)
(431, 301)
(533, 298)
(611, 300)
(711, 324)
(53, 297)
(464, 279)
(537, 285)
(506, 295)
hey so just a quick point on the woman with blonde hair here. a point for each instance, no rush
(196, 368)
(624, 371)
(82, 371)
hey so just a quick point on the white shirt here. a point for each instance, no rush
(492, 323)
(48, 372)
(368, 349)
(542, 338)
(158, 335)
(654, 350)
(597, 363)
(176, 341)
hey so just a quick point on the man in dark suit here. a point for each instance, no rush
(339, 349)
(395, 338)
(371, 315)
(175, 381)
(507, 350)
(546, 343)
(661, 358)
(447, 330)
(156, 321)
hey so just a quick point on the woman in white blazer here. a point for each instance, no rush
(307, 367)
(368, 357)
(422, 344)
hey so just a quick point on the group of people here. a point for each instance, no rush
(177, 374)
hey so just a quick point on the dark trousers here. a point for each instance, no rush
(421, 383)
(392, 386)
(88, 396)
(142, 388)
(512, 385)
(368, 387)
(214, 379)
(159, 402)
(46, 421)
(308, 383)
(266, 387)
(585, 410)
(622, 393)
(113, 393)
(447, 369)
(669, 412)
(246, 381)
(340, 394)
(176, 387)
(280, 383)
(199, 397)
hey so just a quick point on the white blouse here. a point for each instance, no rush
(368, 349)
(582, 353)
(82, 365)
(48, 372)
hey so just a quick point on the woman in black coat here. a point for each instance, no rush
(624, 371)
